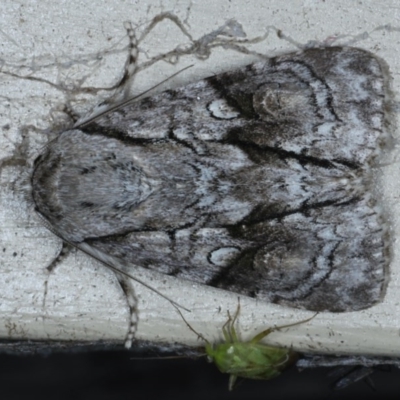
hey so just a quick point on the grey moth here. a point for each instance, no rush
(256, 181)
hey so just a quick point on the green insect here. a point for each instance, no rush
(252, 359)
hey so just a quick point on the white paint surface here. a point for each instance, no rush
(65, 41)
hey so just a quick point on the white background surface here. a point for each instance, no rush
(75, 44)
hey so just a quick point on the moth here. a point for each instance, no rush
(257, 181)
(248, 359)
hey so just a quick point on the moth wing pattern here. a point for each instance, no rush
(256, 181)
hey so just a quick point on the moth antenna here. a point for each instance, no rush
(190, 327)
(111, 266)
(79, 124)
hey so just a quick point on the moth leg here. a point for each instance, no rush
(64, 251)
(123, 281)
(133, 310)
(266, 332)
(62, 254)
(131, 65)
